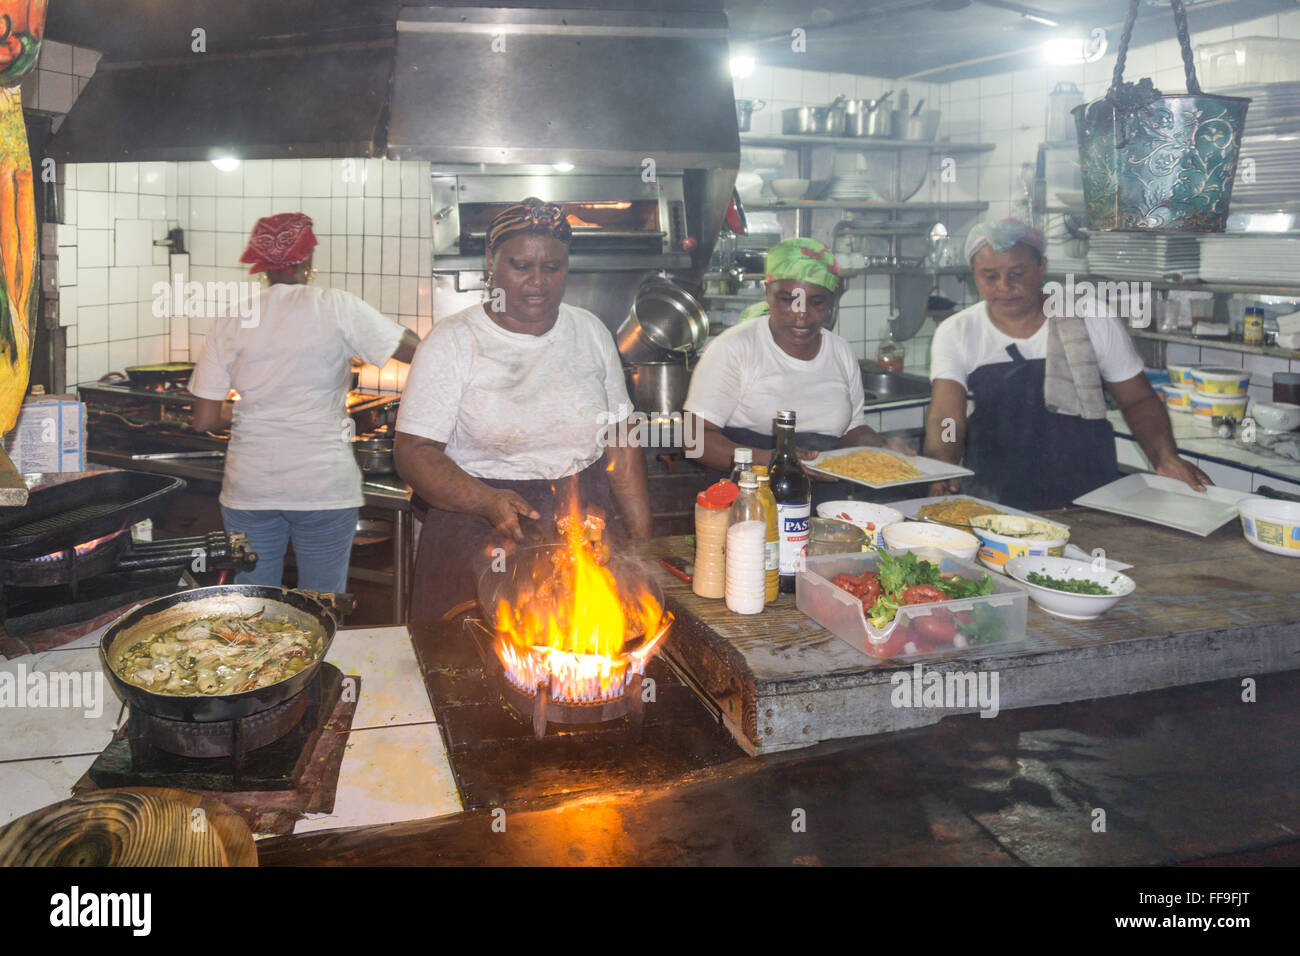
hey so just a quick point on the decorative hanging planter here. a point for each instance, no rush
(1159, 163)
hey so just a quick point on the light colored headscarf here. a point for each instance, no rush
(1001, 236)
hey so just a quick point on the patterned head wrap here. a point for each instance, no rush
(279, 242)
(804, 259)
(530, 217)
(1001, 236)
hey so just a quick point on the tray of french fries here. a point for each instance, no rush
(877, 468)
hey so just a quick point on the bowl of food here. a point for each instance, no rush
(1003, 537)
(921, 537)
(1272, 526)
(832, 536)
(1276, 416)
(1068, 588)
(1214, 405)
(790, 189)
(871, 518)
(1221, 381)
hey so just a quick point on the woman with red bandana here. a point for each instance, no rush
(290, 472)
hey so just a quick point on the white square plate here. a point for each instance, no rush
(931, 469)
(1167, 502)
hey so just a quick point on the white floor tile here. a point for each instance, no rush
(392, 691)
(46, 731)
(27, 785)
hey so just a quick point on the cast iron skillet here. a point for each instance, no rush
(296, 607)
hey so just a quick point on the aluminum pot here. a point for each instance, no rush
(745, 109)
(868, 118)
(658, 388)
(813, 120)
(299, 608)
(921, 128)
(665, 322)
(374, 455)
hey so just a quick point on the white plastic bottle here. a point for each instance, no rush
(746, 583)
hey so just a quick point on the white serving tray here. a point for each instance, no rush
(931, 469)
(1166, 501)
(911, 506)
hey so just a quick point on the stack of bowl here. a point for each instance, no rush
(1220, 392)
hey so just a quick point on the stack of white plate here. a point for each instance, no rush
(1142, 255)
(853, 187)
(1268, 169)
(1250, 257)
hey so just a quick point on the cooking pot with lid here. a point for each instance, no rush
(658, 388)
(665, 322)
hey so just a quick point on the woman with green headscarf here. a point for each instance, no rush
(779, 356)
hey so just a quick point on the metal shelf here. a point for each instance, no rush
(1227, 345)
(860, 144)
(1194, 285)
(782, 206)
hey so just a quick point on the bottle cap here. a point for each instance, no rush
(744, 456)
(760, 472)
(785, 418)
(721, 494)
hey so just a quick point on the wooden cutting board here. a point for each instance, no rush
(140, 826)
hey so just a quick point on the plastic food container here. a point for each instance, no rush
(996, 618)
(1178, 398)
(862, 514)
(1210, 405)
(1180, 374)
(1221, 381)
(1272, 526)
(1003, 537)
(832, 536)
(1157, 377)
(918, 536)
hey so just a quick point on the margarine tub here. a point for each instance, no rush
(1272, 525)
(1180, 374)
(1178, 398)
(1003, 537)
(1210, 405)
(1221, 381)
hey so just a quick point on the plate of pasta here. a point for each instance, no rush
(877, 468)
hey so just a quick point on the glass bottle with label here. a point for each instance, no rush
(772, 543)
(793, 493)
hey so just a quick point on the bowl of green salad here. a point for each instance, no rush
(1069, 588)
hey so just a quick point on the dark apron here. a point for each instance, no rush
(1023, 455)
(813, 441)
(456, 548)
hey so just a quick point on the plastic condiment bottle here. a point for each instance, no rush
(712, 517)
(744, 459)
(746, 550)
(772, 565)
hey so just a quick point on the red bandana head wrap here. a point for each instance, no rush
(279, 242)
(532, 216)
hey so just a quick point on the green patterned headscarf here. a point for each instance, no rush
(804, 259)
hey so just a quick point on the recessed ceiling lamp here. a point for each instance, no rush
(227, 164)
(742, 64)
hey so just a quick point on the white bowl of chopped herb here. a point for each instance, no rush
(1070, 588)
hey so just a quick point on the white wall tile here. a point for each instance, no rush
(372, 217)
(414, 177)
(316, 175)
(254, 208)
(56, 91)
(84, 61)
(392, 173)
(318, 210)
(92, 361)
(1179, 354)
(1221, 358)
(373, 255)
(92, 286)
(230, 216)
(203, 248)
(56, 56)
(1262, 367)
(410, 258)
(258, 177)
(92, 324)
(286, 178)
(123, 355)
(230, 246)
(153, 207)
(229, 183)
(67, 266)
(153, 178)
(92, 209)
(133, 242)
(69, 302)
(122, 284)
(153, 349)
(122, 321)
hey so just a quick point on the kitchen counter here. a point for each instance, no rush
(1196, 438)
(387, 492)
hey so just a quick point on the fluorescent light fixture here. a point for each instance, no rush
(227, 164)
(562, 167)
(1039, 18)
(742, 65)
(1067, 50)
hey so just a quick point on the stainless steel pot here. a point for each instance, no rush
(922, 128)
(665, 322)
(868, 118)
(374, 455)
(813, 120)
(745, 109)
(658, 388)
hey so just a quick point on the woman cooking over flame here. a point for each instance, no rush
(780, 356)
(290, 470)
(503, 400)
(1038, 437)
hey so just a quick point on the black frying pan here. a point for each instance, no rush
(298, 607)
(174, 372)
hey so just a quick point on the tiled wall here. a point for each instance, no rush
(369, 215)
(60, 76)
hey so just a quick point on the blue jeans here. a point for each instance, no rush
(322, 545)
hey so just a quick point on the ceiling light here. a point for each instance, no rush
(1039, 18)
(1067, 50)
(562, 167)
(227, 164)
(742, 65)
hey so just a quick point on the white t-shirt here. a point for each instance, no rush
(290, 447)
(744, 378)
(967, 340)
(515, 406)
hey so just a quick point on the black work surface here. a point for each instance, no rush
(1192, 775)
(497, 761)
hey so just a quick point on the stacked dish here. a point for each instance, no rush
(1140, 255)
(1251, 257)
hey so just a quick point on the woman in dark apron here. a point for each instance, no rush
(1038, 437)
(473, 522)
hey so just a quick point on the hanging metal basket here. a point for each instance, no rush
(1155, 162)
